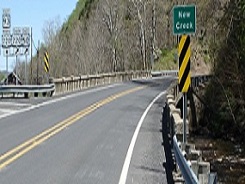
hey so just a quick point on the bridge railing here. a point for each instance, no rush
(192, 169)
(69, 84)
(75, 83)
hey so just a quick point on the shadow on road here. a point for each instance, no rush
(154, 82)
(169, 164)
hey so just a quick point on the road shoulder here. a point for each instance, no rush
(148, 156)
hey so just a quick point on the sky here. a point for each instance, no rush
(33, 13)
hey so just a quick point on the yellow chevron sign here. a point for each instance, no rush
(184, 52)
(46, 62)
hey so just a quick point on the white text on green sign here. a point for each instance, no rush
(184, 19)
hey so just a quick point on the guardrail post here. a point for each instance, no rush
(113, 78)
(89, 82)
(76, 83)
(80, 82)
(64, 85)
(25, 95)
(73, 83)
(96, 80)
(104, 79)
(67, 86)
(109, 78)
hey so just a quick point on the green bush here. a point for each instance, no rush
(167, 60)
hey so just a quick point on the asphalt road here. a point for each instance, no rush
(85, 137)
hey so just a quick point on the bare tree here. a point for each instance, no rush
(140, 6)
(50, 30)
(112, 18)
(53, 44)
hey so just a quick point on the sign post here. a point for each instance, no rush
(26, 45)
(6, 36)
(15, 43)
(184, 23)
(184, 51)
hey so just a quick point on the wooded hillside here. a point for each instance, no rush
(117, 35)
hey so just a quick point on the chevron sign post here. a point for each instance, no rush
(184, 23)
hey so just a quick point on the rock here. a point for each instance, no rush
(242, 160)
(231, 169)
(215, 153)
(220, 159)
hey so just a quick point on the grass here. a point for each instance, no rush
(167, 60)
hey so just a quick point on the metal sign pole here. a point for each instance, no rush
(184, 76)
(16, 68)
(26, 80)
(38, 60)
(7, 69)
(31, 53)
(48, 78)
(184, 117)
(183, 25)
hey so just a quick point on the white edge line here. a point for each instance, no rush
(127, 161)
(15, 104)
(58, 99)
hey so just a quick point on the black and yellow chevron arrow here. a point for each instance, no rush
(46, 62)
(184, 52)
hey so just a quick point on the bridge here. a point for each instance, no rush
(112, 128)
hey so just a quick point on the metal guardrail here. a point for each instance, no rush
(187, 172)
(185, 168)
(164, 73)
(179, 154)
(45, 90)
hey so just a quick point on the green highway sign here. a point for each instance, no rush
(184, 19)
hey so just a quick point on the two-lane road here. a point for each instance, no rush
(104, 135)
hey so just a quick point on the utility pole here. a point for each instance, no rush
(26, 78)
(31, 55)
(7, 65)
(38, 60)
(16, 66)
(6, 54)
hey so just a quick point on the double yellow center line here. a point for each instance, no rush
(25, 147)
